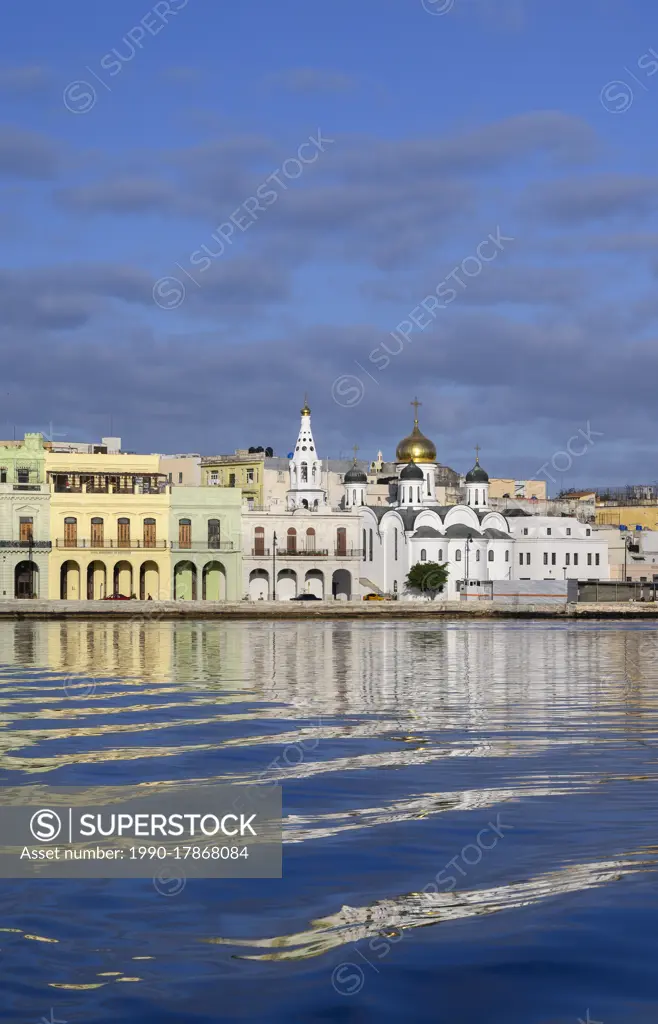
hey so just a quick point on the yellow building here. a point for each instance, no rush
(503, 488)
(109, 525)
(244, 469)
(630, 516)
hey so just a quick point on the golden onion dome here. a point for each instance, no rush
(416, 447)
(305, 411)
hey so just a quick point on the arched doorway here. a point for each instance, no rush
(213, 582)
(123, 579)
(286, 585)
(69, 581)
(341, 585)
(259, 585)
(96, 581)
(149, 581)
(26, 580)
(315, 582)
(185, 581)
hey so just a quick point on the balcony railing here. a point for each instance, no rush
(348, 552)
(25, 544)
(83, 543)
(302, 552)
(225, 545)
(199, 545)
(260, 552)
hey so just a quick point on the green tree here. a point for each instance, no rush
(427, 578)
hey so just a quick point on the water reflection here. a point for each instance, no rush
(395, 744)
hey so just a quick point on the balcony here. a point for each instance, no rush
(199, 545)
(105, 544)
(348, 552)
(34, 544)
(302, 553)
(260, 552)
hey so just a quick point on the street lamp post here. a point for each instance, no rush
(468, 541)
(274, 567)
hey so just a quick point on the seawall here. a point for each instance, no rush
(363, 610)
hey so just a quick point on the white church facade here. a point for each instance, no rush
(477, 543)
(305, 547)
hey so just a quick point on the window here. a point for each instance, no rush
(549, 531)
(575, 559)
(3, 475)
(520, 558)
(527, 558)
(310, 539)
(476, 498)
(567, 558)
(214, 533)
(25, 524)
(597, 559)
(170, 475)
(589, 557)
(553, 558)
(423, 555)
(341, 541)
(440, 554)
(70, 532)
(149, 533)
(588, 533)
(477, 555)
(259, 540)
(545, 557)
(490, 556)
(507, 556)
(23, 476)
(395, 544)
(525, 531)
(304, 476)
(364, 542)
(214, 478)
(250, 504)
(371, 545)
(123, 535)
(291, 541)
(458, 555)
(180, 478)
(250, 476)
(185, 533)
(568, 531)
(231, 479)
(97, 532)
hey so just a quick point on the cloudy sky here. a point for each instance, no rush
(209, 209)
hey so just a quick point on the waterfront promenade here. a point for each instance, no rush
(371, 610)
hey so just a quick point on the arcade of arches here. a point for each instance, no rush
(97, 580)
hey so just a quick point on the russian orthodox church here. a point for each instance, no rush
(476, 543)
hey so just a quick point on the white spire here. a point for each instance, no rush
(305, 468)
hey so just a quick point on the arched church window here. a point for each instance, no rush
(395, 544)
(304, 472)
(507, 556)
(354, 497)
(458, 555)
(423, 555)
(477, 556)
(363, 541)
(418, 489)
(491, 556)
(440, 554)
(313, 473)
(476, 495)
(370, 545)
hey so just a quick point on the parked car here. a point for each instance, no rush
(306, 597)
(116, 597)
(373, 597)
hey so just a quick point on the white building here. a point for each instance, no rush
(304, 546)
(477, 543)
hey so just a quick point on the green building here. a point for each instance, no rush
(24, 519)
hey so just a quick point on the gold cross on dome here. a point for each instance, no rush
(355, 450)
(416, 405)
(477, 452)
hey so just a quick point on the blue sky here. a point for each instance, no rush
(130, 133)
